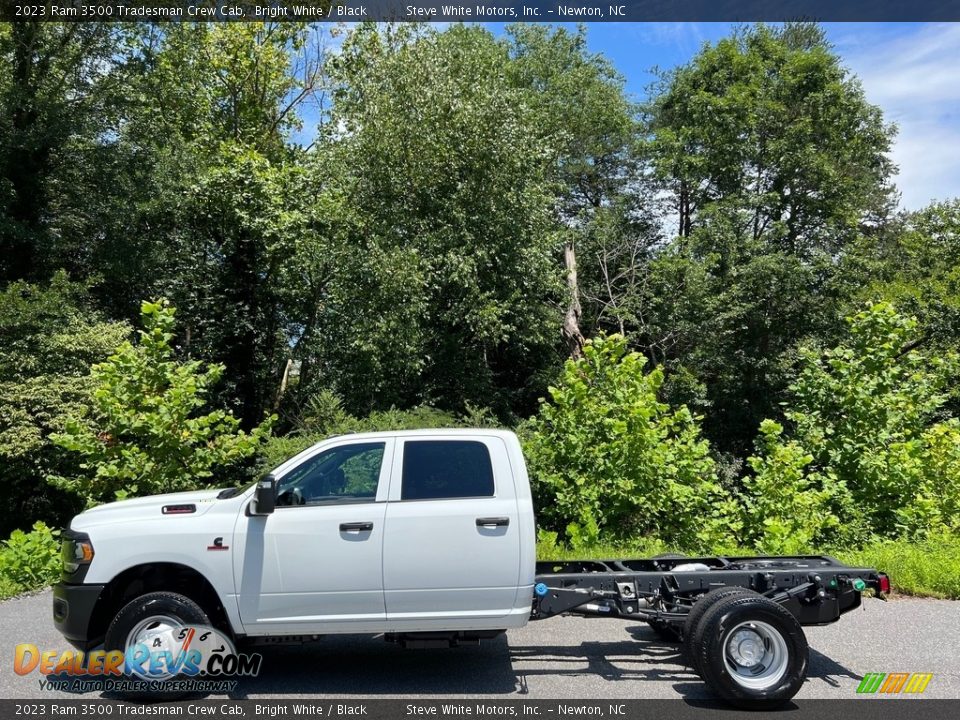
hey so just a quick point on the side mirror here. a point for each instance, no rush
(265, 497)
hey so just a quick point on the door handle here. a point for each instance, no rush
(361, 526)
(493, 522)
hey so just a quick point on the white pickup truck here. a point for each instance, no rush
(427, 537)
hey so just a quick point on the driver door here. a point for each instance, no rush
(317, 560)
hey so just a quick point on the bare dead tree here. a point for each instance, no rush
(571, 320)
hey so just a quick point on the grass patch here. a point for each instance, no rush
(549, 551)
(928, 568)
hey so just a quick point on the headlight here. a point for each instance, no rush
(76, 553)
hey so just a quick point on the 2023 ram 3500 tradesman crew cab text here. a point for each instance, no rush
(427, 537)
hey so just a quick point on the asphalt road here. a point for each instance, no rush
(564, 657)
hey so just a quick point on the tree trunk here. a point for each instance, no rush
(571, 321)
(685, 221)
(283, 384)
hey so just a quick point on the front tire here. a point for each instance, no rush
(147, 617)
(751, 652)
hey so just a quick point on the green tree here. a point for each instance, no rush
(913, 263)
(59, 101)
(216, 197)
(582, 114)
(606, 455)
(51, 336)
(146, 433)
(448, 292)
(241, 273)
(768, 131)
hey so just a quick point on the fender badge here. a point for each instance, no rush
(218, 545)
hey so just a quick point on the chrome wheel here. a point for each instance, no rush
(755, 655)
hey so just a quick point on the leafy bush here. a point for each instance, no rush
(145, 433)
(607, 457)
(29, 560)
(866, 441)
(51, 336)
(936, 503)
(784, 509)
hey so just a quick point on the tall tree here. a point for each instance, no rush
(772, 161)
(583, 115)
(914, 263)
(768, 132)
(227, 98)
(447, 296)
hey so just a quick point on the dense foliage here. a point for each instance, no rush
(51, 336)
(871, 451)
(406, 226)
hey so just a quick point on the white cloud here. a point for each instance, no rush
(915, 78)
(684, 37)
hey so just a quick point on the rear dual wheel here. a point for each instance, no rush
(748, 649)
(699, 609)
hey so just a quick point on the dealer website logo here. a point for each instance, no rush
(894, 683)
(165, 657)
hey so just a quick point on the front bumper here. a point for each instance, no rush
(73, 607)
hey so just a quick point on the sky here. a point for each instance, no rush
(911, 70)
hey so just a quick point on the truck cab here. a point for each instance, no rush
(395, 532)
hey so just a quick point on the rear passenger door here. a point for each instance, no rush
(451, 545)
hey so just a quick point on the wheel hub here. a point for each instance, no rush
(746, 648)
(156, 632)
(755, 655)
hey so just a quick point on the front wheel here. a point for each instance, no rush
(752, 652)
(153, 620)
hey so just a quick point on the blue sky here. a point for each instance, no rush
(911, 70)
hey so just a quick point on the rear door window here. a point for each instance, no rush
(445, 469)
